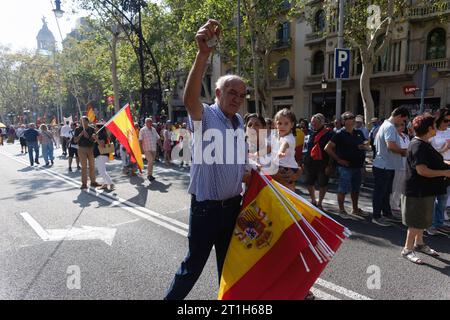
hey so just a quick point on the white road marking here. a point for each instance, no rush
(151, 216)
(73, 233)
(124, 223)
(348, 293)
(323, 295)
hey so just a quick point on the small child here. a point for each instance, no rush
(283, 146)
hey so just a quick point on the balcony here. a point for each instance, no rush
(439, 64)
(287, 83)
(282, 44)
(314, 37)
(426, 12)
(314, 78)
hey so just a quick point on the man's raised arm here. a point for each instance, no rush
(194, 82)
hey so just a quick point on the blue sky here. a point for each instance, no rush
(21, 20)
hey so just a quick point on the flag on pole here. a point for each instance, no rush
(90, 113)
(122, 127)
(279, 247)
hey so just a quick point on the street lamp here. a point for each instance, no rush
(58, 12)
(324, 89)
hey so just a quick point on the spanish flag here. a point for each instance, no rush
(122, 127)
(90, 113)
(279, 247)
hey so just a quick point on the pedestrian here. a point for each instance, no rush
(215, 188)
(372, 134)
(347, 147)
(316, 162)
(185, 140)
(11, 134)
(167, 144)
(23, 142)
(254, 123)
(1, 137)
(65, 137)
(47, 141)
(73, 147)
(426, 177)
(84, 137)
(337, 125)
(102, 139)
(400, 174)
(31, 137)
(360, 125)
(283, 146)
(148, 139)
(441, 142)
(388, 159)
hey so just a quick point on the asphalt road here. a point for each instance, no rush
(139, 239)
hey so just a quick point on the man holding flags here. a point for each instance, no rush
(215, 188)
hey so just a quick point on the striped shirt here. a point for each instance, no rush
(223, 180)
(148, 138)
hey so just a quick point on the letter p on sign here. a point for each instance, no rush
(342, 63)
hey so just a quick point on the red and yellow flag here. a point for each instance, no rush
(90, 113)
(122, 127)
(275, 254)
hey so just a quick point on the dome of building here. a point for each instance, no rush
(45, 38)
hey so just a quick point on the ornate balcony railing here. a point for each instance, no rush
(440, 64)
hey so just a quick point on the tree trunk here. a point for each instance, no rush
(115, 81)
(366, 94)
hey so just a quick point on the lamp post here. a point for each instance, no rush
(26, 115)
(58, 12)
(324, 89)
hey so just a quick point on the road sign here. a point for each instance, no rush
(341, 63)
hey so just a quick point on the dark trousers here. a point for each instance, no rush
(382, 192)
(211, 223)
(64, 144)
(33, 146)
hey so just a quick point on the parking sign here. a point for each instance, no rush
(341, 63)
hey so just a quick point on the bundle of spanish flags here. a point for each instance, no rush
(280, 246)
(122, 127)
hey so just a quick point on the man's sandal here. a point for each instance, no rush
(426, 249)
(411, 256)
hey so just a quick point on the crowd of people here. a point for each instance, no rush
(85, 143)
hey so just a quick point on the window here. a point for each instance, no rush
(283, 69)
(319, 21)
(318, 63)
(436, 44)
(283, 34)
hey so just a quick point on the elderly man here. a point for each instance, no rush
(215, 188)
(148, 138)
(316, 160)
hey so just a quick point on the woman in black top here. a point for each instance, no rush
(426, 177)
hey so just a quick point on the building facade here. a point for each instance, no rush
(420, 39)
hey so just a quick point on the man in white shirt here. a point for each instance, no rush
(148, 138)
(65, 137)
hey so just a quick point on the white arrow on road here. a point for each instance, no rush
(84, 233)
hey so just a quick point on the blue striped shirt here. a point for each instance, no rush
(221, 178)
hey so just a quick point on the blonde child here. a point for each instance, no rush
(283, 148)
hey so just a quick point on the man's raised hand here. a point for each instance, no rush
(207, 32)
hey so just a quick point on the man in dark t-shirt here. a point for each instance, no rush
(84, 136)
(347, 148)
(31, 137)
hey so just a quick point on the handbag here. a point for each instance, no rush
(109, 148)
